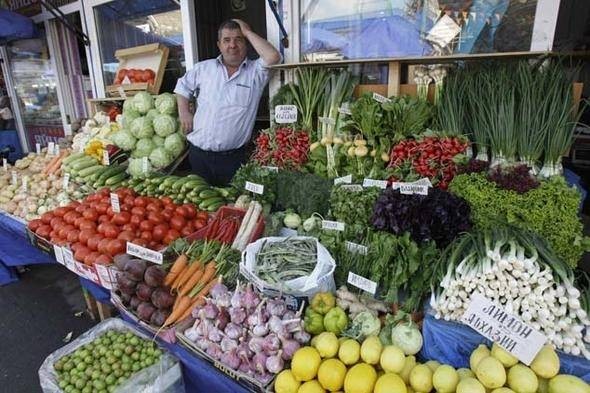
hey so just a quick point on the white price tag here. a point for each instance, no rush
(345, 109)
(144, 165)
(104, 276)
(115, 203)
(38, 148)
(144, 253)
(105, 157)
(87, 272)
(59, 256)
(25, 184)
(355, 248)
(363, 283)
(411, 189)
(5, 164)
(508, 331)
(352, 187)
(51, 148)
(66, 181)
(327, 120)
(285, 114)
(14, 178)
(69, 260)
(56, 149)
(254, 187)
(343, 180)
(287, 232)
(272, 168)
(375, 183)
(379, 98)
(333, 225)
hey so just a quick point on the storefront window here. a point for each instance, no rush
(125, 24)
(35, 83)
(335, 30)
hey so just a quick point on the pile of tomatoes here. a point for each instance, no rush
(96, 234)
(283, 148)
(135, 76)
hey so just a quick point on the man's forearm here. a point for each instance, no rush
(183, 104)
(265, 50)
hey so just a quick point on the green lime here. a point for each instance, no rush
(150, 360)
(135, 356)
(99, 384)
(121, 379)
(80, 383)
(126, 366)
(129, 335)
(128, 350)
(68, 366)
(88, 372)
(135, 367)
(62, 384)
(117, 353)
(134, 341)
(111, 389)
(118, 372)
(110, 380)
(111, 359)
(142, 364)
(87, 389)
(68, 389)
(96, 375)
(106, 369)
(157, 352)
(126, 359)
(81, 366)
(102, 351)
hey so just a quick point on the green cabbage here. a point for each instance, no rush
(143, 102)
(160, 158)
(166, 104)
(143, 147)
(152, 113)
(142, 128)
(158, 140)
(136, 167)
(175, 143)
(124, 140)
(165, 125)
(128, 106)
(128, 118)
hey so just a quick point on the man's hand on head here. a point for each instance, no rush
(243, 26)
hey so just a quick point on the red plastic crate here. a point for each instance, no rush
(229, 211)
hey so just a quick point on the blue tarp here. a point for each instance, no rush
(101, 294)
(15, 26)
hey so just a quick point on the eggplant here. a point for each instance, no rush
(154, 276)
(126, 284)
(159, 317)
(145, 310)
(162, 298)
(135, 268)
(134, 302)
(144, 291)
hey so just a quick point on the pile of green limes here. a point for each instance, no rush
(105, 363)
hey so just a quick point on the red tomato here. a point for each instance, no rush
(34, 224)
(140, 242)
(160, 231)
(101, 208)
(93, 242)
(60, 211)
(103, 245)
(80, 209)
(153, 207)
(146, 235)
(91, 258)
(81, 253)
(180, 211)
(177, 222)
(72, 235)
(56, 222)
(200, 224)
(202, 215)
(85, 235)
(190, 209)
(110, 211)
(116, 247)
(63, 231)
(136, 220)
(90, 214)
(126, 207)
(130, 227)
(76, 246)
(167, 214)
(172, 235)
(121, 218)
(53, 235)
(187, 230)
(138, 211)
(87, 225)
(126, 236)
(167, 201)
(111, 231)
(103, 259)
(140, 201)
(104, 219)
(129, 200)
(155, 217)
(146, 226)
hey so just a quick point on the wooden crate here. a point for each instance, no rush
(95, 105)
(151, 56)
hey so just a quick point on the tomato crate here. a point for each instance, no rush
(227, 212)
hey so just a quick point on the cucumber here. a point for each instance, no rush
(179, 183)
(82, 163)
(112, 171)
(90, 170)
(207, 194)
(214, 207)
(169, 181)
(210, 201)
(195, 185)
(94, 177)
(115, 179)
(73, 157)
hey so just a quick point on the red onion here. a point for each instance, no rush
(260, 362)
(271, 343)
(233, 331)
(275, 364)
(289, 348)
(231, 359)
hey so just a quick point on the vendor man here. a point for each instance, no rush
(229, 89)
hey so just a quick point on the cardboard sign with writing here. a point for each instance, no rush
(333, 225)
(363, 283)
(285, 114)
(144, 253)
(254, 187)
(508, 331)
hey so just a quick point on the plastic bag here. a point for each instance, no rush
(163, 377)
(321, 278)
(452, 343)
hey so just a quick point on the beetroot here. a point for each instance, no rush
(154, 276)
(145, 311)
(161, 298)
(121, 260)
(134, 302)
(125, 298)
(126, 284)
(135, 268)
(144, 291)
(159, 317)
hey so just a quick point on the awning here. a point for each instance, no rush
(15, 26)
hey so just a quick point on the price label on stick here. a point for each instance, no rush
(56, 149)
(105, 157)
(333, 225)
(345, 109)
(66, 181)
(375, 183)
(51, 148)
(271, 168)
(115, 203)
(363, 283)
(144, 165)
(68, 257)
(25, 184)
(5, 164)
(14, 178)
(285, 114)
(343, 180)
(38, 148)
(327, 120)
(59, 257)
(356, 248)
(144, 253)
(379, 98)
(254, 187)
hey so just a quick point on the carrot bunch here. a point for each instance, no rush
(193, 274)
(54, 164)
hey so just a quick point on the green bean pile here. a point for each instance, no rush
(285, 260)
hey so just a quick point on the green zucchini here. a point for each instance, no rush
(115, 179)
(90, 170)
(207, 194)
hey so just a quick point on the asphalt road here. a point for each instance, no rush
(37, 313)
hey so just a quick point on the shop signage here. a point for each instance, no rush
(327, 120)
(508, 331)
(333, 225)
(363, 283)
(352, 187)
(343, 180)
(419, 187)
(144, 253)
(285, 114)
(68, 258)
